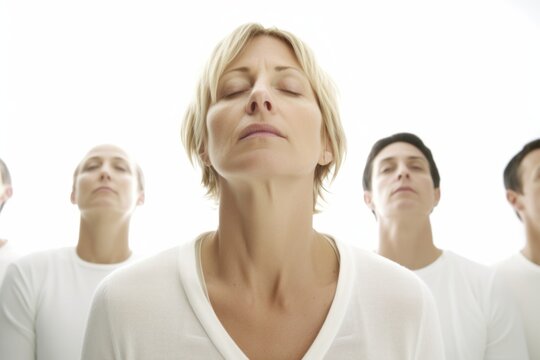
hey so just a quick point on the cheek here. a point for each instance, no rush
(379, 186)
(309, 126)
(218, 127)
(81, 184)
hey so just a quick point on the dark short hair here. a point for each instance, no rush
(6, 177)
(511, 174)
(400, 137)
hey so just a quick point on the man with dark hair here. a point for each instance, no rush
(401, 187)
(522, 270)
(6, 252)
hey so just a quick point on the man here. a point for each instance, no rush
(401, 187)
(6, 252)
(45, 298)
(522, 270)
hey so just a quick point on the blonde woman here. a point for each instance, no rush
(265, 128)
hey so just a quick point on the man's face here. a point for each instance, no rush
(107, 181)
(401, 183)
(527, 203)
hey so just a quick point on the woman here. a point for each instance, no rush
(265, 128)
(45, 298)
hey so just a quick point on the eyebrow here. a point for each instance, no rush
(392, 158)
(100, 158)
(245, 69)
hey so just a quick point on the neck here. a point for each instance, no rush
(266, 243)
(103, 239)
(408, 242)
(532, 247)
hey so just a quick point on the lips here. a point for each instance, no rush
(260, 129)
(104, 188)
(403, 189)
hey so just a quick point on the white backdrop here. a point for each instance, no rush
(462, 74)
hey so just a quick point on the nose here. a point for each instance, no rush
(105, 172)
(259, 100)
(403, 172)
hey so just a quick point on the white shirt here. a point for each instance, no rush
(158, 309)
(7, 255)
(478, 319)
(44, 304)
(523, 279)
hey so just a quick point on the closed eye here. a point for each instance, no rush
(91, 167)
(417, 167)
(234, 93)
(290, 92)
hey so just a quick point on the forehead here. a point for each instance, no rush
(398, 150)
(266, 49)
(106, 152)
(531, 161)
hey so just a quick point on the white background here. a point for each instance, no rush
(464, 75)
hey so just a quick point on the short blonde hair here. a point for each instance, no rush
(194, 130)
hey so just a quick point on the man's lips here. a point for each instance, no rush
(403, 189)
(260, 129)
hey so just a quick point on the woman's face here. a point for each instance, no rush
(266, 120)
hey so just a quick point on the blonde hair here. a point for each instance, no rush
(194, 130)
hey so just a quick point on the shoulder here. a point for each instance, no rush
(476, 274)
(510, 264)
(385, 281)
(369, 265)
(142, 275)
(38, 262)
(128, 295)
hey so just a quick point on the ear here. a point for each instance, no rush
(73, 198)
(437, 196)
(140, 199)
(514, 199)
(203, 155)
(8, 192)
(368, 200)
(326, 158)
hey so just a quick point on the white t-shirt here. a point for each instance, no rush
(7, 255)
(44, 304)
(158, 309)
(478, 319)
(523, 279)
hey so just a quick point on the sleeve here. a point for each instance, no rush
(429, 345)
(17, 314)
(99, 338)
(506, 336)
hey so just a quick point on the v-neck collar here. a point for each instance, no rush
(192, 282)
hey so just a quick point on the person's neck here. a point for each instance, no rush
(532, 247)
(266, 243)
(408, 242)
(103, 239)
